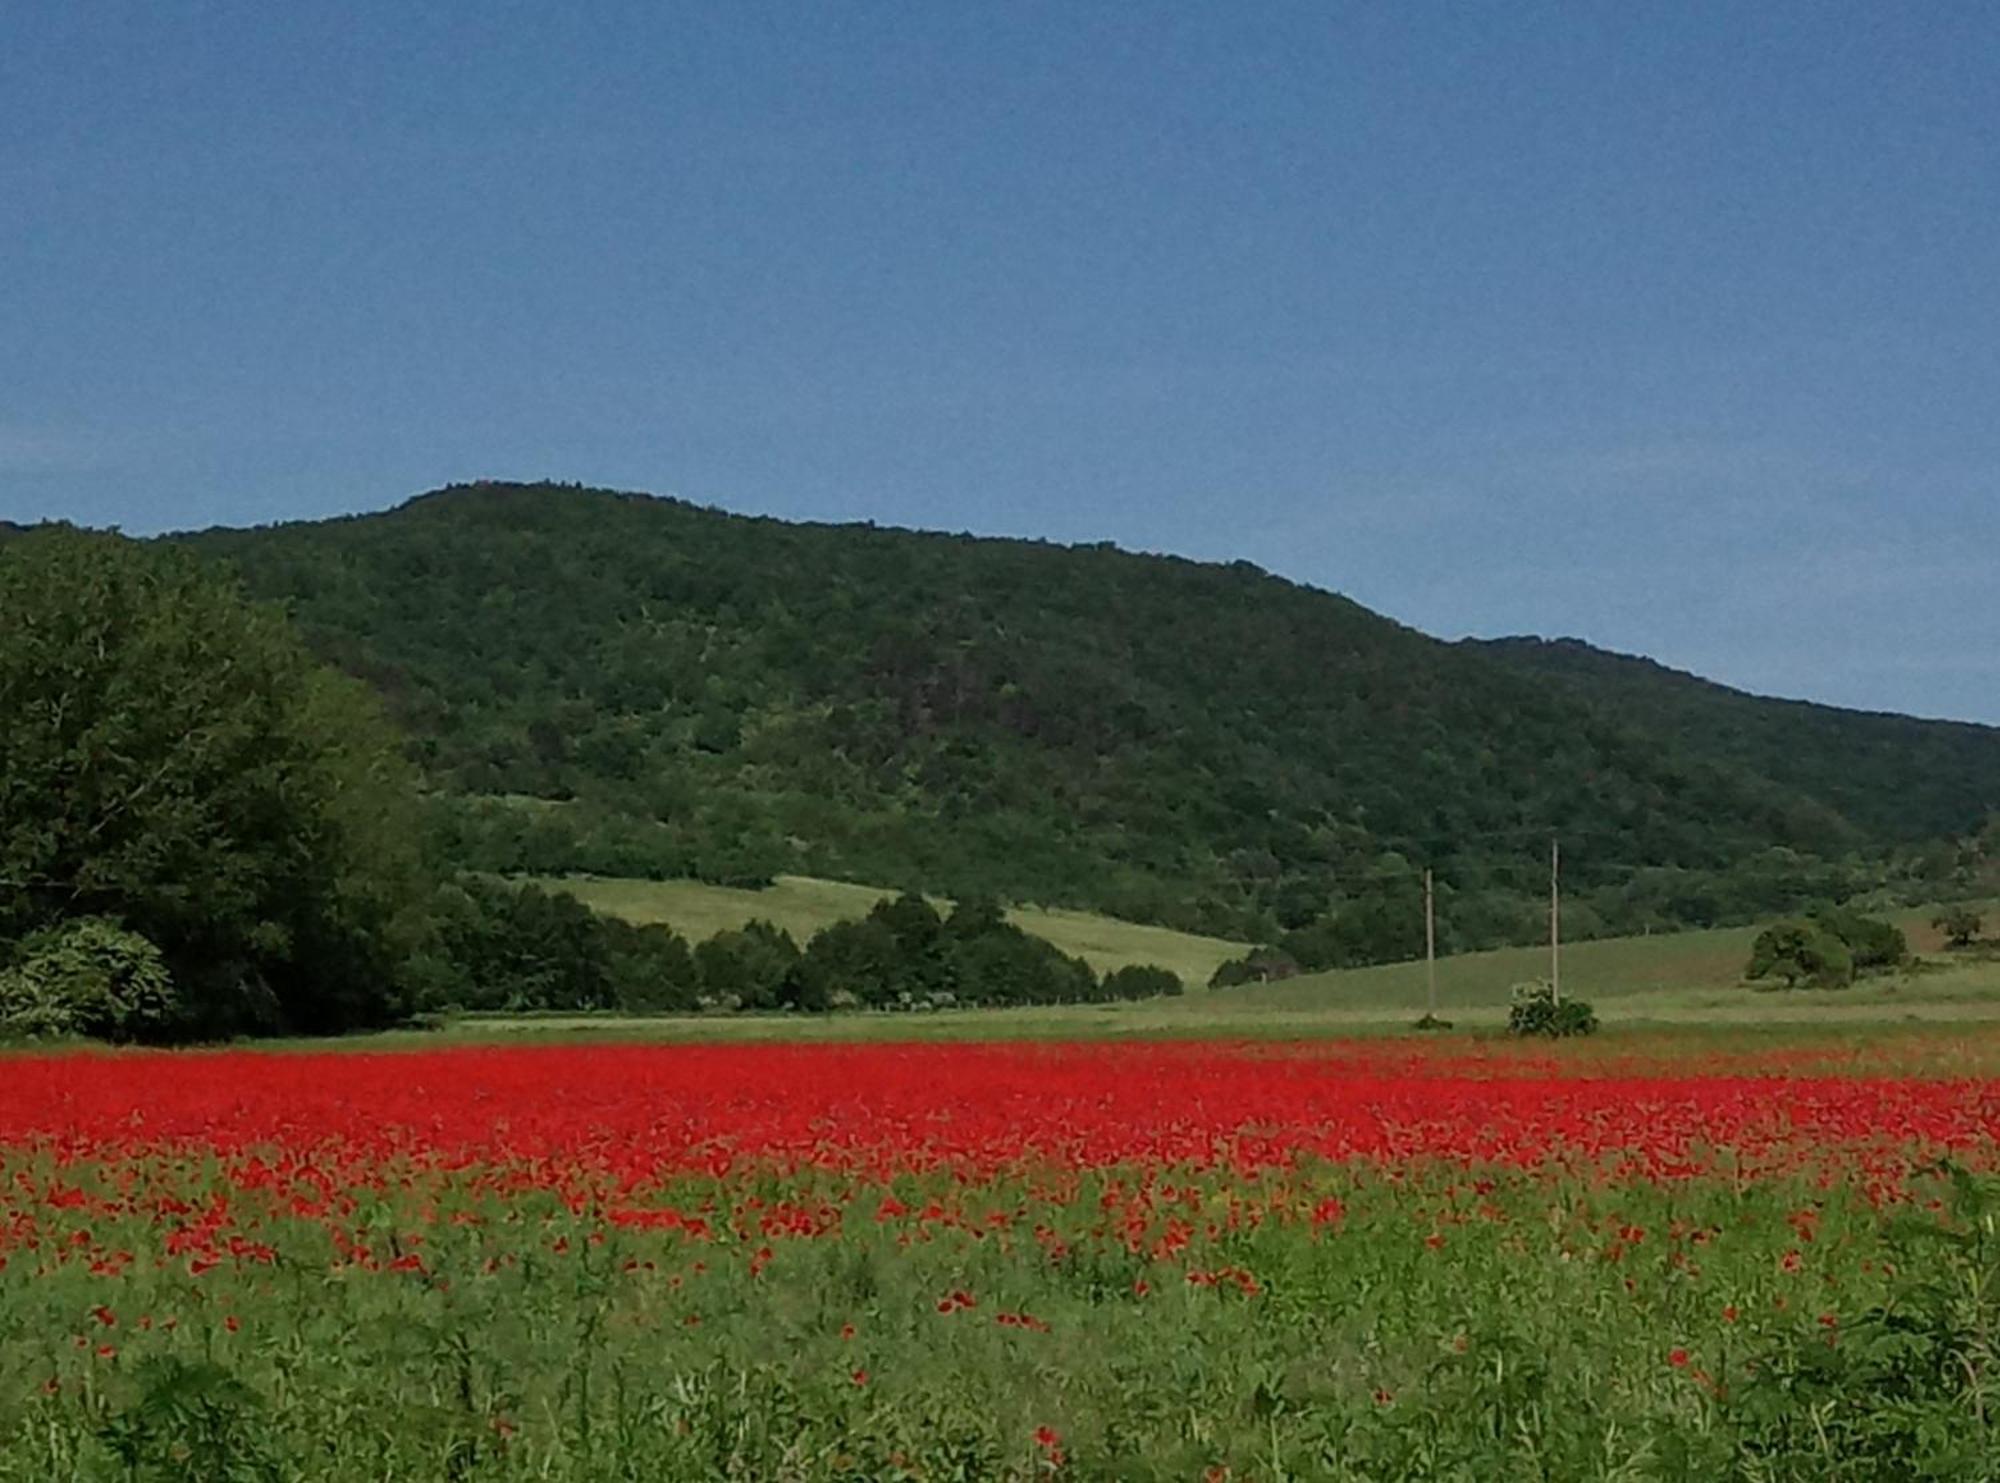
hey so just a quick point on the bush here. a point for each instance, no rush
(1536, 1011)
(88, 976)
(1140, 981)
(1799, 952)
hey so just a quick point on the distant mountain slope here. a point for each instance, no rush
(1892, 776)
(691, 692)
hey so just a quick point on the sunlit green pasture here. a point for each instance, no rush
(1686, 979)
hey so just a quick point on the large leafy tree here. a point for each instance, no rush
(174, 759)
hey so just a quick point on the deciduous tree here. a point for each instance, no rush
(174, 760)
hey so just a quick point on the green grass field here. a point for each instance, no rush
(803, 905)
(1686, 980)
(1683, 978)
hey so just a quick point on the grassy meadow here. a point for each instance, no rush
(1685, 980)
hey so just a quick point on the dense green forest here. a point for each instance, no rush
(206, 832)
(1896, 777)
(628, 685)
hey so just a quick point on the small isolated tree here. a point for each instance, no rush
(172, 758)
(1535, 1010)
(1961, 925)
(1800, 952)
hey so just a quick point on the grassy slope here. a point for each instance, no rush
(1688, 980)
(803, 905)
(1684, 977)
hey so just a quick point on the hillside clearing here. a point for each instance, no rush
(802, 905)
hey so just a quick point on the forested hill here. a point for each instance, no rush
(639, 685)
(1893, 776)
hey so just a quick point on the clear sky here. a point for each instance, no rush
(1674, 326)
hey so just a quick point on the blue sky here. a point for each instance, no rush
(1675, 327)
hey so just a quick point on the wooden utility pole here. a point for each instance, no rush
(1430, 942)
(1555, 921)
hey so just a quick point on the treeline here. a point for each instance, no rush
(521, 948)
(621, 685)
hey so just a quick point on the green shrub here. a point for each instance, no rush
(1873, 942)
(1801, 952)
(1537, 1011)
(87, 976)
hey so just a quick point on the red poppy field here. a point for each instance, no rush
(950, 1261)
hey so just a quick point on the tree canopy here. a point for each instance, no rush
(175, 762)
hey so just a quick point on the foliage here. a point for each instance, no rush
(1873, 944)
(1801, 952)
(1961, 925)
(521, 948)
(754, 967)
(639, 687)
(174, 760)
(1885, 1395)
(192, 1419)
(1893, 777)
(1140, 981)
(905, 955)
(503, 947)
(1535, 1010)
(1261, 966)
(87, 976)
